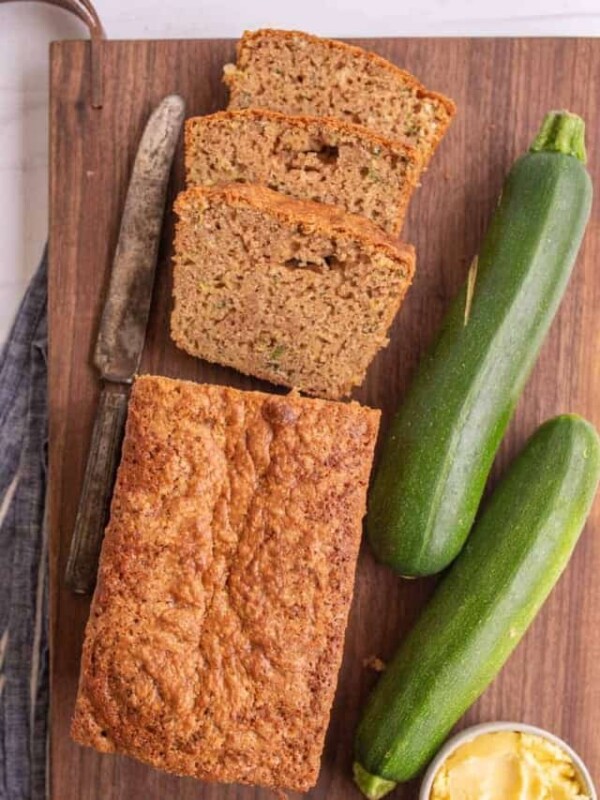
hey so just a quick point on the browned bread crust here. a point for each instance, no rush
(217, 626)
(258, 275)
(312, 158)
(286, 96)
(313, 216)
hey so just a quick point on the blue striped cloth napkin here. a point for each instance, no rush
(23, 549)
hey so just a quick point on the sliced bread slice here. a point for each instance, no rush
(296, 73)
(299, 293)
(311, 158)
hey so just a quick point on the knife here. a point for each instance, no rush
(122, 332)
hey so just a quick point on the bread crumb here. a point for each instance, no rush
(375, 663)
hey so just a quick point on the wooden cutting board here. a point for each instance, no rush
(502, 87)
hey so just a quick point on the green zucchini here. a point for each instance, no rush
(483, 606)
(444, 438)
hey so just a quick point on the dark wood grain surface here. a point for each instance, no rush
(503, 88)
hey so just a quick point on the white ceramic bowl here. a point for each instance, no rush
(493, 727)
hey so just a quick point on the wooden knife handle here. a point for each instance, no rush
(98, 483)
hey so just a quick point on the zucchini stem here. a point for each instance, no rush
(372, 786)
(561, 132)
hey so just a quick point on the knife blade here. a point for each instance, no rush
(122, 331)
(123, 325)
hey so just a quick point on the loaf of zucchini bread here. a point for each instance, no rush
(299, 293)
(217, 626)
(311, 158)
(296, 73)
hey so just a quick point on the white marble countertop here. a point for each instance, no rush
(26, 29)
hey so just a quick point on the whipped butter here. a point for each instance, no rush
(508, 765)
